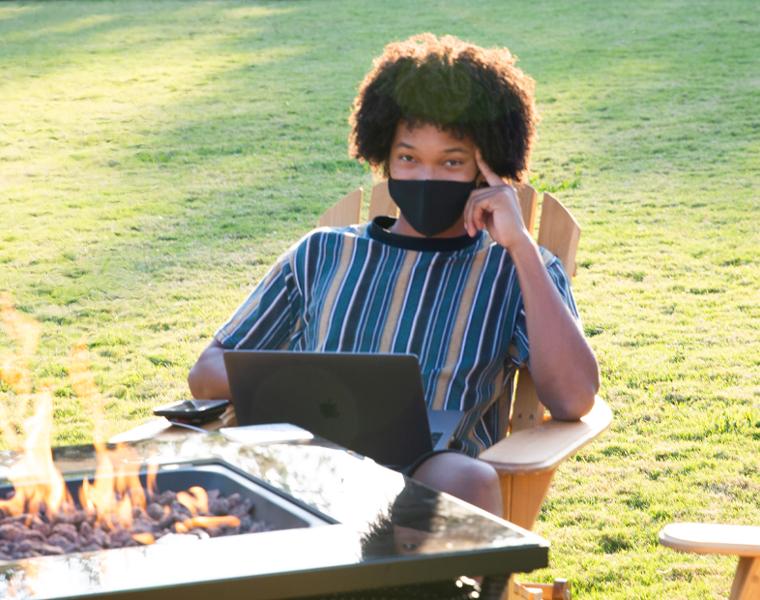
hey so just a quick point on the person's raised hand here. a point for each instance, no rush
(496, 209)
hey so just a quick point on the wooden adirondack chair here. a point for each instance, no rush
(532, 445)
(737, 540)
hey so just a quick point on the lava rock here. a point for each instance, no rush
(11, 531)
(155, 511)
(66, 530)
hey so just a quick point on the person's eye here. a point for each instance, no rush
(405, 157)
(454, 162)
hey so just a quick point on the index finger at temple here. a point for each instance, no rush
(491, 177)
(467, 214)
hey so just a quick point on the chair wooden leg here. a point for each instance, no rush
(523, 495)
(746, 584)
(559, 590)
(516, 591)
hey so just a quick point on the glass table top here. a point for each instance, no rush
(383, 529)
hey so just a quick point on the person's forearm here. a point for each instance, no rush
(562, 363)
(208, 377)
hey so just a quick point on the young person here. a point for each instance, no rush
(456, 279)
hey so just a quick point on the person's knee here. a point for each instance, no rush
(467, 478)
(474, 474)
(481, 479)
(485, 475)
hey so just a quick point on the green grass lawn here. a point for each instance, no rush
(155, 157)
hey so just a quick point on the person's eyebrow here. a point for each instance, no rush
(455, 149)
(446, 151)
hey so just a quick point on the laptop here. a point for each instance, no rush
(372, 404)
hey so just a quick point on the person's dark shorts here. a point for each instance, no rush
(409, 469)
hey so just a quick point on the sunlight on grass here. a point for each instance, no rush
(136, 92)
(10, 12)
(73, 26)
(255, 12)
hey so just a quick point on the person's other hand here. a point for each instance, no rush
(496, 209)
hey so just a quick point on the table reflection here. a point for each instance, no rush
(388, 530)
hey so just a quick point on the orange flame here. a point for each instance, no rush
(144, 538)
(195, 499)
(206, 523)
(36, 481)
(25, 331)
(150, 477)
(116, 489)
(115, 493)
(83, 384)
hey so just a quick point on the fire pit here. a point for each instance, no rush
(330, 521)
(234, 504)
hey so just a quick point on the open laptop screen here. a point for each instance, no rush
(370, 403)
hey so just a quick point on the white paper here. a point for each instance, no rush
(270, 433)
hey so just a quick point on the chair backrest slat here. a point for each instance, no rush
(381, 203)
(528, 198)
(344, 212)
(559, 233)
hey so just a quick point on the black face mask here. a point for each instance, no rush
(430, 205)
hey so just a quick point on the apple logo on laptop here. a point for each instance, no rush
(329, 409)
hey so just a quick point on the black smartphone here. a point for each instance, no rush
(192, 411)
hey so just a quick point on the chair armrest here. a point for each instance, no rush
(543, 447)
(710, 538)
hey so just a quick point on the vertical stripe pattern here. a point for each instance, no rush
(459, 311)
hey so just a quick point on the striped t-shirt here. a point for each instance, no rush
(455, 303)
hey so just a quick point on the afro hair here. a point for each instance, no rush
(454, 85)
